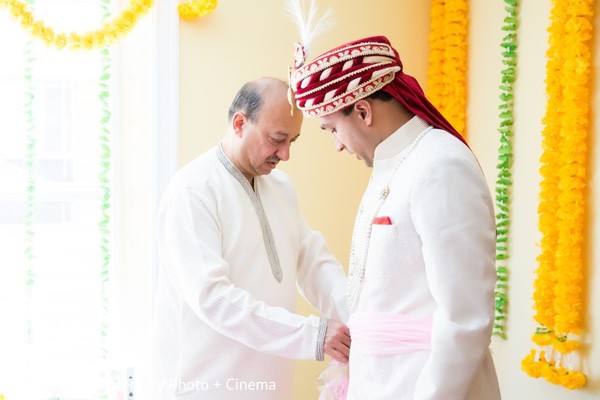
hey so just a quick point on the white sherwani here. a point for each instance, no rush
(224, 325)
(436, 259)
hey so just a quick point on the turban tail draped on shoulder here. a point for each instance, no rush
(340, 77)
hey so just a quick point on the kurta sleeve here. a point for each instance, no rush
(189, 243)
(453, 215)
(321, 278)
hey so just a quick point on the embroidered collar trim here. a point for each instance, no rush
(260, 212)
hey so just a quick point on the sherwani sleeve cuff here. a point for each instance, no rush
(320, 355)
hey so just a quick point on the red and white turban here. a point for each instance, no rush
(340, 77)
(344, 75)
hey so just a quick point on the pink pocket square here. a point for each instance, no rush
(382, 221)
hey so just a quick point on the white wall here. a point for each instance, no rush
(530, 106)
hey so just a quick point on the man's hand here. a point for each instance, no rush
(337, 341)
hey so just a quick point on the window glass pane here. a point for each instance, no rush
(52, 343)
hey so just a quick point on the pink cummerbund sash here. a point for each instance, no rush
(380, 334)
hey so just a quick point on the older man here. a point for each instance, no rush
(233, 248)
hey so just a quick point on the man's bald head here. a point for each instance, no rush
(251, 97)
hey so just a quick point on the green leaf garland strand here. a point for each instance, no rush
(104, 181)
(505, 155)
(30, 188)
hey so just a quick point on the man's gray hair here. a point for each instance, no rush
(248, 100)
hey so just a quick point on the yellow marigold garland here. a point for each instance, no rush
(110, 32)
(447, 73)
(558, 299)
(196, 8)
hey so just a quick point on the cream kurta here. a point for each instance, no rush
(437, 258)
(224, 327)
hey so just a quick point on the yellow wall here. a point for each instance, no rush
(243, 40)
(530, 105)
